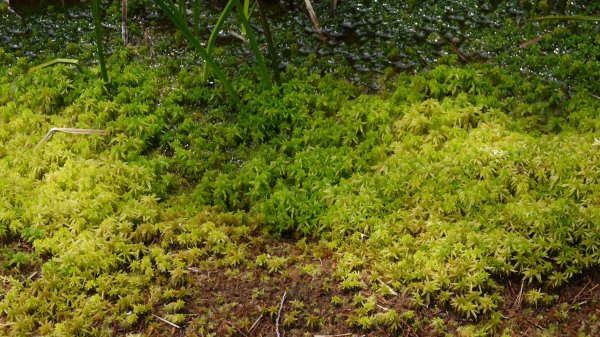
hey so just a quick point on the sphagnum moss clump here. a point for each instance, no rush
(435, 193)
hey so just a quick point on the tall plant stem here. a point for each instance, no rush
(212, 40)
(169, 8)
(531, 14)
(99, 43)
(196, 17)
(262, 66)
(272, 54)
(182, 9)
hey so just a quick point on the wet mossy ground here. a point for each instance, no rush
(453, 197)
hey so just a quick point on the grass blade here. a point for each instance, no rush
(272, 54)
(98, 36)
(566, 18)
(215, 32)
(262, 66)
(55, 61)
(196, 16)
(169, 8)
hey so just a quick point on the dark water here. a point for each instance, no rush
(365, 37)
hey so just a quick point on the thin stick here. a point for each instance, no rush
(255, 323)
(534, 323)
(410, 330)
(520, 296)
(383, 308)
(333, 7)
(340, 335)
(279, 313)
(313, 18)
(165, 321)
(580, 292)
(70, 130)
(233, 326)
(124, 30)
(392, 291)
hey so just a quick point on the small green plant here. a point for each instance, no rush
(313, 322)
(337, 301)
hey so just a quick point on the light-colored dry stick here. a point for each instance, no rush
(124, 30)
(533, 41)
(383, 308)
(313, 18)
(520, 295)
(70, 130)
(392, 291)
(255, 323)
(340, 335)
(238, 35)
(333, 7)
(165, 321)
(279, 314)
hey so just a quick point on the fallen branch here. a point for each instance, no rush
(165, 321)
(340, 335)
(70, 130)
(279, 314)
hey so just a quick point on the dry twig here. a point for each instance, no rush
(383, 308)
(255, 323)
(279, 313)
(165, 321)
(313, 18)
(520, 295)
(70, 130)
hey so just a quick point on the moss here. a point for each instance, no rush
(457, 179)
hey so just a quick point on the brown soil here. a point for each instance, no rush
(245, 301)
